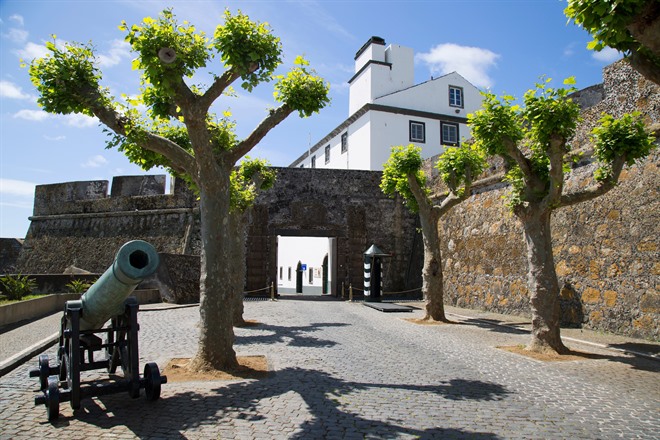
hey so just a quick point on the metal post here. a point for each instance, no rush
(350, 292)
(272, 291)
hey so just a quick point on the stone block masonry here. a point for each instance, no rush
(606, 250)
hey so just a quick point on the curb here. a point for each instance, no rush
(579, 341)
(18, 359)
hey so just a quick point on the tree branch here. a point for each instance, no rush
(180, 160)
(596, 190)
(524, 163)
(274, 117)
(454, 198)
(556, 173)
(218, 87)
(221, 83)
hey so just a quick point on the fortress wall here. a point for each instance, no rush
(607, 251)
(78, 223)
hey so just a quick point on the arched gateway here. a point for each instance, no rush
(346, 205)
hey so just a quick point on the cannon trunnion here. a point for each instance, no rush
(79, 341)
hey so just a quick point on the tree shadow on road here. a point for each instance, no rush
(332, 407)
(295, 336)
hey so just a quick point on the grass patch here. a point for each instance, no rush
(4, 301)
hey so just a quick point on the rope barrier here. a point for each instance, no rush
(404, 291)
(258, 290)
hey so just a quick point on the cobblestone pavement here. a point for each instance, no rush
(344, 371)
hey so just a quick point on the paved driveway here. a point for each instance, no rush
(342, 370)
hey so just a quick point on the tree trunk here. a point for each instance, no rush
(238, 225)
(432, 282)
(542, 283)
(216, 339)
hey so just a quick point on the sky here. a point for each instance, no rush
(500, 45)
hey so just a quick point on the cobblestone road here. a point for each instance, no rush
(345, 371)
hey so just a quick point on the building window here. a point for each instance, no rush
(313, 162)
(449, 133)
(311, 275)
(417, 132)
(289, 273)
(455, 96)
(344, 142)
(281, 270)
(327, 154)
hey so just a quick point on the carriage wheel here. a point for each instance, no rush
(53, 400)
(152, 379)
(44, 371)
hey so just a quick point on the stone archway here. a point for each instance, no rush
(347, 205)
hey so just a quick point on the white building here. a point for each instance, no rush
(387, 109)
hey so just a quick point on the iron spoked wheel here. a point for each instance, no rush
(44, 371)
(53, 400)
(152, 381)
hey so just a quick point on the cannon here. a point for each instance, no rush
(106, 300)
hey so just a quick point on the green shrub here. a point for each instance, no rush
(17, 286)
(78, 286)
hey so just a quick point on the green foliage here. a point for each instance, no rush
(549, 113)
(624, 137)
(606, 21)
(456, 163)
(251, 176)
(496, 124)
(302, 89)
(65, 77)
(17, 286)
(403, 161)
(248, 47)
(152, 36)
(78, 286)
(547, 117)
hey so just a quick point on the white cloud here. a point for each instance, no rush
(18, 19)
(76, 120)
(95, 162)
(80, 121)
(120, 50)
(54, 138)
(12, 91)
(32, 115)
(16, 187)
(470, 62)
(32, 51)
(17, 35)
(607, 55)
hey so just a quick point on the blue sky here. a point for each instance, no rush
(504, 45)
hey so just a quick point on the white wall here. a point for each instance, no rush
(307, 250)
(433, 96)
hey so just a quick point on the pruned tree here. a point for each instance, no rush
(402, 174)
(180, 132)
(631, 27)
(533, 142)
(252, 176)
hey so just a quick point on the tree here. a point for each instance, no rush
(402, 175)
(180, 133)
(533, 141)
(251, 176)
(631, 27)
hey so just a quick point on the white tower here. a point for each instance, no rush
(379, 71)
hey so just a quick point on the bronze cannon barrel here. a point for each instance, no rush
(134, 261)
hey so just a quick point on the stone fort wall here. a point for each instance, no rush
(606, 250)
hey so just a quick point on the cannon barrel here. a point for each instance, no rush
(134, 261)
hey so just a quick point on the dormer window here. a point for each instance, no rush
(455, 96)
